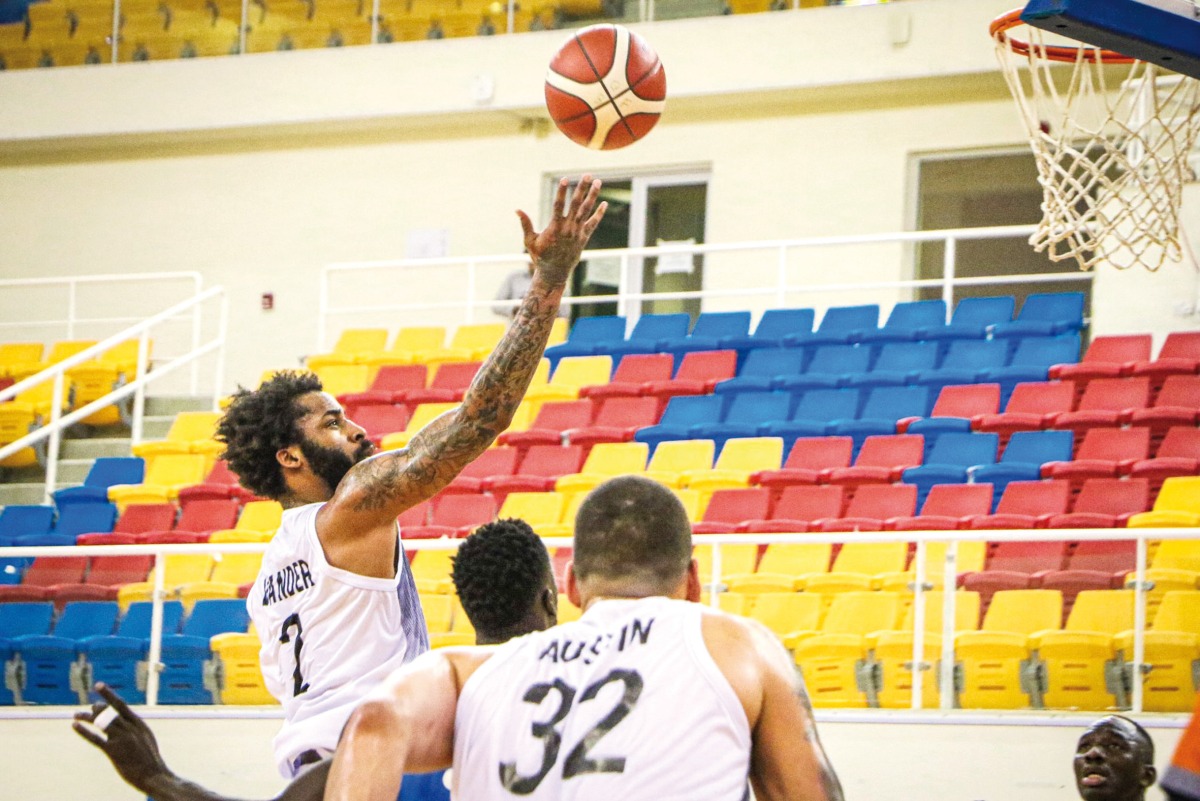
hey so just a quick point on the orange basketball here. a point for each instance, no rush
(605, 88)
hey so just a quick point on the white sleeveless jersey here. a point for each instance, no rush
(328, 636)
(624, 703)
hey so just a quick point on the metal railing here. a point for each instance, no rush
(1135, 668)
(785, 253)
(57, 373)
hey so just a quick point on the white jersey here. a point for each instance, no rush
(624, 703)
(328, 636)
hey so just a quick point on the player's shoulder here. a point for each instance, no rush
(733, 629)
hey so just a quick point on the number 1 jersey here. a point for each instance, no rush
(328, 636)
(625, 702)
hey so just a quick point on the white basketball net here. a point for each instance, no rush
(1112, 160)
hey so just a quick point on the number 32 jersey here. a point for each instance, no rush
(328, 636)
(624, 703)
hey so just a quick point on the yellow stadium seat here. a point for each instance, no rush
(352, 345)
(91, 381)
(733, 603)
(693, 502)
(204, 591)
(17, 420)
(995, 660)
(793, 616)
(239, 675)
(785, 565)
(64, 349)
(238, 535)
(165, 476)
(855, 568)
(132, 593)
(431, 571)
(761, 583)
(674, 458)
(439, 611)
(892, 651)
(20, 359)
(558, 332)
(180, 569)
(461, 624)
(567, 611)
(738, 459)
(407, 347)
(470, 343)
(422, 416)
(260, 516)
(1172, 653)
(833, 662)
(1078, 664)
(606, 460)
(1178, 504)
(735, 559)
(1174, 566)
(190, 432)
(571, 374)
(39, 399)
(565, 528)
(539, 509)
(342, 379)
(236, 568)
(969, 558)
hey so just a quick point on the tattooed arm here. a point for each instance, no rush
(356, 527)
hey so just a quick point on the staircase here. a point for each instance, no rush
(79, 453)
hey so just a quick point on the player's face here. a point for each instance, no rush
(332, 443)
(1110, 763)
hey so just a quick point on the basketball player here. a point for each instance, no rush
(1114, 761)
(646, 696)
(334, 604)
(503, 577)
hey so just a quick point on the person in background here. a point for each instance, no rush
(1181, 779)
(512, 289)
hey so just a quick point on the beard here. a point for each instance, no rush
(330, 464)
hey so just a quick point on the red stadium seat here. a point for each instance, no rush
(1105, 453)
(381, 419)
(206, 516)
(390, 384)
(616, 421)
(553, 418)
(730, 508)
(1033, 406)
(1106, 357)
(455, 516)
(947, 507)
(415, 516)
(633, 371)
(871, 506)
(1177, 404)
(1105, 503)
(47, 571)
(111, 571)
(450, 381)
(799, 506)
(1180, 355)
(809, 462)
(541, 466)
(1106, 402)
(139, 518)
(492, 463)
(882, 459)
(698, 373)
(221, 482)
(1026, 504)
(1178, 455)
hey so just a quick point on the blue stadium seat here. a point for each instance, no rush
(114, 659)
(1045, 314)
(831, 366)
(11, 569)
(748, 412)
(897, 364)
(1023, 458)
(22, 521)
(649, 330)
(815, 414)
(905, 321)
(885, 406)
(104, 473)
(85, 518)
(683, 413)
(586, 334)
(964, 363)
(763, 369)
(185, 656)
(838, 325)
(1031, 361)
(49, 660)
(24, 619)
(773, 327)
(972, 319)
(948, 460)
(710, 329)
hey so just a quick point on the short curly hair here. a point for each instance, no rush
(499, 573)
(260, 422)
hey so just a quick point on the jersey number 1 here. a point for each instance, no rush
(299, 686)
(578, 762)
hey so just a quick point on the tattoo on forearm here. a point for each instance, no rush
(829, 780)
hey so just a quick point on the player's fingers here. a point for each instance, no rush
(115, 701)
(578, 195)
(90, 734)
(596, 217)
(526, 227)
(560, 198)
(86, 717)
(589, 201)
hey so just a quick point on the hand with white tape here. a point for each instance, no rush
(123, 737)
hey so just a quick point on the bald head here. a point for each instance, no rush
(1114, 761)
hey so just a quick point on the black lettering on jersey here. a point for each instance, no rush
(642, 633)
(550, 653)
(566, 654)
(286, 582)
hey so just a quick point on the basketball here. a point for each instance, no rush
(605, 87)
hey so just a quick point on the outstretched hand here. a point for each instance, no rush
(125, 739)
(555, 250)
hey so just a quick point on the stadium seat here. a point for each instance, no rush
(24, 520)
(20, 620)
(409, 347)
(964, 362)
(1106, 357)
(1171, 652)
(572, 374)
(856, 566)
(18, 419)
(1023, 458)
(764, 369)
(541, 466)
(190, 432)
(46, 571)
(905, 321)
(1104, 503)
(790, 615)
(140, 518)
(191, 594)
(431, 571)
(202, 517)
(828, 367)
(187, 675)
(220, 482)
(49, 666)
(616, 421)
(352, 344)
(450, 381)
(422, 416)
(745, 415)
(104, 472)
(497, 463)
(20, 359)
(470, 343)
(785, 564)
(996, 672)
(1032, 406)
(881, 460)
(236, 568)
(698, 374)
(737, 461)
(632, 374)
(969, 557)
(1104, 453)
(380, 419)
(707, 333)
(1178, 455)
(1176, 404)
(1180, 355)
(958, 408)
(1077, 667)
(239, 677)
(1044, 314)
(888, 410)
(1178, 504)
(947, 507)
(949, 459)
(648, 331)
(815, 414)
(391, 384)
(112, 571)
(166, 475)
(1026, 504)
(736, 560)
(455, 516)
(833, 661)
(897, 364)
(83, 518)
(1107, 402)
(837, 326)
(674, 459)
(773, 327)
(682, 415)
(550, 423)
(180, 569)
(891, 651)
(541, 510)
(608, 459)
(810, 461)
(587, 336)
(871, 506)
(972, 319)
(798, 507)
(119, 659)
(729, 508)
(1032, 360)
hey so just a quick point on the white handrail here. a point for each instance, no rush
(921, 538)
(143, 377)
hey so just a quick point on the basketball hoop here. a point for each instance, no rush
(1111, 147)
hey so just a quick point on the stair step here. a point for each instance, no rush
(73, 471)
(21, 493)
(89, 449)
(170, 405)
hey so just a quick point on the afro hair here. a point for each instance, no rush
(499, 572)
